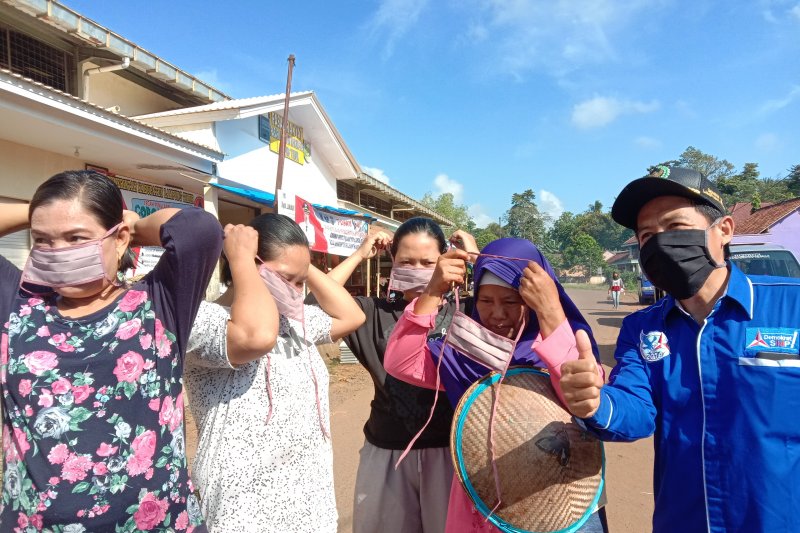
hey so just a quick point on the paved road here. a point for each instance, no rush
(629, 466)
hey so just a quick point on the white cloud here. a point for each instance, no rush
(768, 142)
(647, 142)
(480, 216)
(550, 204)
(393, 19)
(444, 184)
(376, 173)
(795, 12)
(211, 76)
(601, 111)
(770, 106)
(477, 33)
(557, 36)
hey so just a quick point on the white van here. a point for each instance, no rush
(765, 259)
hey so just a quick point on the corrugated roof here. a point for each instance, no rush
(224, 105)
(61, 18)
(617, 257)
(766, 217)
(116, 117)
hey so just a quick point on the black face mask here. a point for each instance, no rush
(678, 261)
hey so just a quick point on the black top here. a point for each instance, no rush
(399, 409)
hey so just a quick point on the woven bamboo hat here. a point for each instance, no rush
(550, 471)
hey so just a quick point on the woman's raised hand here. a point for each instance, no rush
(540, 293)
(464, 241)
(451, 268)
(241, 242)
(374, 243)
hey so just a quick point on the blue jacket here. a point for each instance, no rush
(723, 399)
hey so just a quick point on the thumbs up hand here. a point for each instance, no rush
(580, 381)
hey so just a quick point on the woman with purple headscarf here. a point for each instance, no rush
(517, 297)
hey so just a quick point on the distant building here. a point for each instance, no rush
(777, 223)
(628, 259)
(74, 95)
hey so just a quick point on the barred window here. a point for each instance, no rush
(376, 204)
(345, 192)
(34, 59)
(3, 48)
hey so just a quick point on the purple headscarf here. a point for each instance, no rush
(458, 372)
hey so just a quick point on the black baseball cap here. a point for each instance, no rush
(663, 180)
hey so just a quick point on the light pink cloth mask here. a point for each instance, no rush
(288, 299)
(70, 266)
(487, 348)
(479, 344)
(412, 279)
(289, 302)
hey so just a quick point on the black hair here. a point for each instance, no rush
(710, 212)
(419, 225)
(97, 194)
(275, 232)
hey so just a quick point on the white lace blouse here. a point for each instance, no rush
(253, 476)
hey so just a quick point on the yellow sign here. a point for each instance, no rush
(269, 131)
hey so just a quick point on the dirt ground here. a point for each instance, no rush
(628, 466)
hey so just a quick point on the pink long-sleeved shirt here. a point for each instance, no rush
(408, 358)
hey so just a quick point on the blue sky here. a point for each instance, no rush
(570, 98)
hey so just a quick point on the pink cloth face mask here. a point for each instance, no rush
(70, 266)
(486, 348)
(480, 344)
(288, 299)
(289, 302)
(412, 279)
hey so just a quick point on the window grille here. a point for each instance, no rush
(3, 48)
(34, 59)
(346, 192)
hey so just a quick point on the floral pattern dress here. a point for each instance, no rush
(254, 476)
(93, 433)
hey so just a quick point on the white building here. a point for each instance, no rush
(74, 95)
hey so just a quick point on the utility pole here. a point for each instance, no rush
(284, 127)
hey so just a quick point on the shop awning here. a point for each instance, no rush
(261, 197)
(268, 199)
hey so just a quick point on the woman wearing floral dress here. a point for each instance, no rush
(91, 368)
(264, 459)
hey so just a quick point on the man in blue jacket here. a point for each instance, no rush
(713, 369)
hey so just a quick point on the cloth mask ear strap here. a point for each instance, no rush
(430, 416)
(495, 402)
(269, 390)
(324, 429)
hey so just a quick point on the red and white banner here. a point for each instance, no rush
(326, 231)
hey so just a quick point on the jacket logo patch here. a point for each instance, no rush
(653, 346)
(782, 340)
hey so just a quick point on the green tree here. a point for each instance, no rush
(563, 229)
(774, 190)
(740, 187)
(583, 250)
(524, 220)
(793, 180)
(601, 227)
(710, 166)
(490, 233)
(445, 205)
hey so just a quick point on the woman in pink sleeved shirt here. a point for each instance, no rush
(510, 293)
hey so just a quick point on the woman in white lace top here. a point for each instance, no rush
(258, 387)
